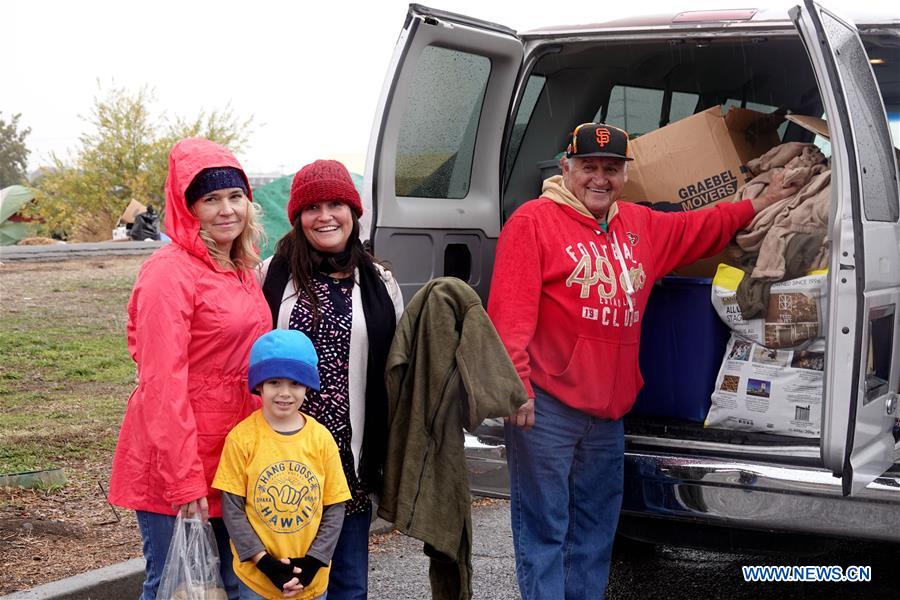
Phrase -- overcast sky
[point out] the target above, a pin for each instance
(308, 72)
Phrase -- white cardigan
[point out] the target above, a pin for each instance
(359, 343)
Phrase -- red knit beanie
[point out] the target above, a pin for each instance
(321, 181)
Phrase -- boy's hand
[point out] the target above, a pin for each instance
(281, 573)
(309, 566)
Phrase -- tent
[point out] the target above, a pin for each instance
(272, 199)
(12, 228)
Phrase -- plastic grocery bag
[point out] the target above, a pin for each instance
(191, 571)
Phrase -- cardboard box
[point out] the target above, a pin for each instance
(133, 209)
(813, 124)
(699, 161)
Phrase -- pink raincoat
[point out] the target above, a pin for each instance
(190, 327)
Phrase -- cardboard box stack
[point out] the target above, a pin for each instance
(698, 162)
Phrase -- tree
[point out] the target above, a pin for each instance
(122, 156)
(13, 152)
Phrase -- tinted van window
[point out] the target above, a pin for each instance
(879, 186)
(437, 135)
(530, 96)
(638, 110)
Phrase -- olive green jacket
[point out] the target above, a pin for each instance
(447, 369)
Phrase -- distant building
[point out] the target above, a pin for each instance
(355, 163)
(258, 180)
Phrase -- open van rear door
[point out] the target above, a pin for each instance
(861, 374)
(433, 166)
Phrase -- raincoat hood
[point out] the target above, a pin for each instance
(187, 158)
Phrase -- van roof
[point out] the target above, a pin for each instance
(686, 20)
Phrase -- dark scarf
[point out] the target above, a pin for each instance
(381, 321)
(328, 263)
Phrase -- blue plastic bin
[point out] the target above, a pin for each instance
(682, 345)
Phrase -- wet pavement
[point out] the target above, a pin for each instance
(668, 572)
(399, 569)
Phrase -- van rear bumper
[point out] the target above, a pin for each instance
(762, 496)
(736, 493)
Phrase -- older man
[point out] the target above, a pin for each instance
(573, 272)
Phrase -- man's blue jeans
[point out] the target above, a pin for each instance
(156, 532)
(349, 577)
(566, 491)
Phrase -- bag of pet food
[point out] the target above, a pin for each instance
(769, 390)
(795, 309)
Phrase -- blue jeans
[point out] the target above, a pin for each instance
(349, 577)
(566, 491)
(245, 593)
(156, 532)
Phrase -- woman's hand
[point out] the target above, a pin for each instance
(198, 507)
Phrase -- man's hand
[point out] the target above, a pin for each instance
(776, 191)
(524, 416)
(198, 508)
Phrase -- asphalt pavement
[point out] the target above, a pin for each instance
(399, 568)
(61, 251)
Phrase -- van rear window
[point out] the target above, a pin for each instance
(639, 110)
(437, 136)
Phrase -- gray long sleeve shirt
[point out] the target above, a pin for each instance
(247, 543)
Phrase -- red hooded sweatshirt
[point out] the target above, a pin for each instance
(190, 327)
(567, 298)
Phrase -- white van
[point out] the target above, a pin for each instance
(471, 110)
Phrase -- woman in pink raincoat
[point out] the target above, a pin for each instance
(195, 310)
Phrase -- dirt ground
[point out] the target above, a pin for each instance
(49, 536)
(46, 535)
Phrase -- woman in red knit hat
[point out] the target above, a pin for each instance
(322, 282)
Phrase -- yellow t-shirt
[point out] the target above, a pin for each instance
(286, 480)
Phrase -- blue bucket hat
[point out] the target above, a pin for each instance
(284, 354)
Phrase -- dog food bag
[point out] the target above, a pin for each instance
(795, 313)
(769, 390)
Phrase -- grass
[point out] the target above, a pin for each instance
(65, 372)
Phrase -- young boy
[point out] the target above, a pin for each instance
(283, 488)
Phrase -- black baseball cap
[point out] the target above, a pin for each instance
(599, 139)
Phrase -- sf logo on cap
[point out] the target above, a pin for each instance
(602, 136)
